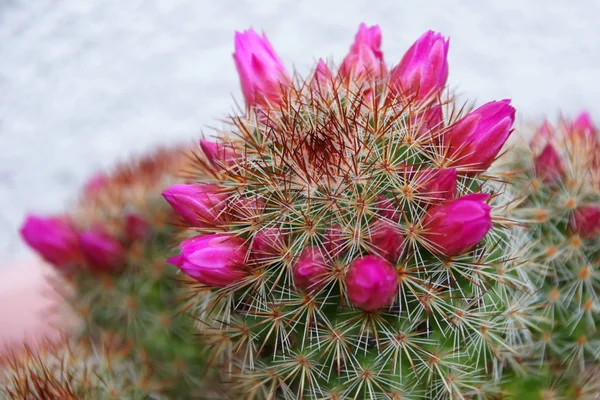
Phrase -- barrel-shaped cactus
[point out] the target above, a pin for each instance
(346, 239)
(556, 177)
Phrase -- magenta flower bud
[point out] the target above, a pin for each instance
(585, 221)
(268, 242)
(136, 228)
(365, 57)
(102, 251)
(436, 185)
(199, 205)
(334, 241)
(429, 122)
(261, 72)
(475, 140)
(583, 126)
(423, 70)
(386, 240)
(322, 77)
(214, 260)
(453, 228)
(542, 135)
(387, 208)
(95, 184)
(218, 154)
(55, 239)
(549, 166)
(246, 208)
(371, 283)
(310, 270)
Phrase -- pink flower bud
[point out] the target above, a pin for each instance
(199, 205)
(436, 185)
(371, 283)
(549, 166)
(334, 241)
(262, 73)
(365, 57)
(423, 70)
(136, 228)
(455, 227)
(585, 221)
(95, 184)
(268, 242)
(583, 126)
(474, 141)
(310, 270)
(102, 251)
(214, 260)
(322, 77)
(428, 123)
(55, 239)
(246, 208)
(542, 135)
(387, 208)
(386, 240)
(218, 154)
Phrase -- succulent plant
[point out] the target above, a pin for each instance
(111, 250)
(557, 179)
(346, 237)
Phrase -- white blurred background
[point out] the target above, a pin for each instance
(84, 83)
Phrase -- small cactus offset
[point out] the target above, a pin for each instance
(72, 370)
(347, 239)
(557, 179)
(111, 249)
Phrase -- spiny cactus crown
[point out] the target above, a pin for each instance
(345, 245)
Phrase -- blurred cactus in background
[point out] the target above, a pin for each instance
(557, 179)
(111, 250)
(349, 242)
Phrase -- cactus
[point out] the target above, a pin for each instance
(345, 237)
(72, 370)
(557, 179)
(111, 251)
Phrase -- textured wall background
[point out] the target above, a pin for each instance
(86, 82)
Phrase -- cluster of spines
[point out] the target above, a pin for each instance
(328, 171)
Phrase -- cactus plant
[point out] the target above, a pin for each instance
(345, 236)
(111, 250)
(557, 179)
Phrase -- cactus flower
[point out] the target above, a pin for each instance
(371, 283)
(453, 228)
(474, 141)
(246, 208)
(386, 240)
(102, 251)
(583, 125)
(549, 166)
(136, 227)
(215, 260)
(436, 185)
(365, 56)
(322, 77)
(199, 205)
(55, 239)
(542, 135)
(261, 72)
(423, 70)
(430, 120)
(334, 241)
(310, 269)
(387, 209)
(269, 242)
(585, 221)
(218, 154)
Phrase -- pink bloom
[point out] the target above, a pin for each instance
(583, 125)
(429, 123)
(387, 208)
(310, 270)
(268, 242)
(455, 227)
(199, 205)
(214, 260)
(334, 241)
(475, 140)
(423, 70)
(549, 166)
(55, 239)
(371, 283)
(586, 221)
(386, 240)
(218, 154)
(262, 73)
(102, 251)
(436, 185)
(136, 227)
(365, 56)
(322, 77)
